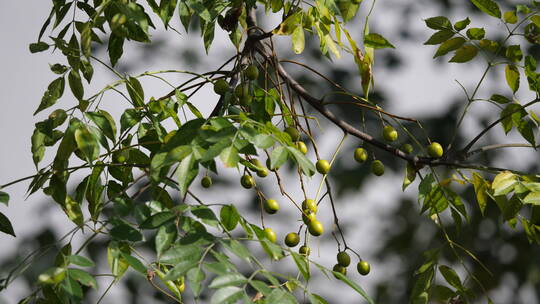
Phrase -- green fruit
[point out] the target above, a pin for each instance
(252, 72)
(356, 1)
(206, 181)
(304, 250)
(293, 133)
(343, 259)
(323, 167)
(360, 155)
(309, 204)
(292, 239)
(340, 269)
(315, 228)
(221, 87)
(271, 206)
(308, 216)
(435, 150)
(377, 167)
(389, 133)
(300, 145)
(407, 148)
(270, 234)
(256, 162)
(246, 100)
(363, 267)
(262, 173)
(241, 90)
(247, 181)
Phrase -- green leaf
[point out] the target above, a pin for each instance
(195, 276)
(514, 53)
(317, 299)
(136, 92)
(449, 45)
(458, 26)
(451, 276)
(510, 17)
(54, 91)
(105, 123)
(178, 253)
(263, 141)
(480, 188)
(354, 286)
(503, 183)
(38, 47)
(298, 40)
(165, 236)
(475, 33)
(278, 157)
(80, 261)
(206, 215)
(347, 8)
(442, 293)
(5, 225)
(87, 143)
(157, 220)
(464, 54)
(134, 263)
(115, 48)
(186, 172)
(75, 84)
(229, 156)
(279, 295)
(305, 164)
(302, 264)
(500, 99)
(4, 198)
(438, 23)
(532, 198)
(126, 232)
(238, 249)
(230, 279)
(227, 295)
(512, 77)
(377, 41)
(489, 7)
(83, 277)
(72, 288)
(229, 217)
(129, 118)
(439, 37)
(536, 20)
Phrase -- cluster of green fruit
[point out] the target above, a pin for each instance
(242, 91)
(344, 260)
(295, 137)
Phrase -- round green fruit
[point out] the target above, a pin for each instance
(309, 204)
(221, 87)
(407, 148)
(363, 267)
(308, 216)
(340, 269)
(252, 72)
(315, 228)
(323, 167)
(206, 181)
(271, 206)
(300, 145)
(377, 167)
(241, 90)
(360, 155)
(256, 162)
(304, 250)
(435, 150)
(389, 133)
(343, 259)
(262, 173)
(293, 133)
(292, 239)
(247, 181)
(270, 234)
